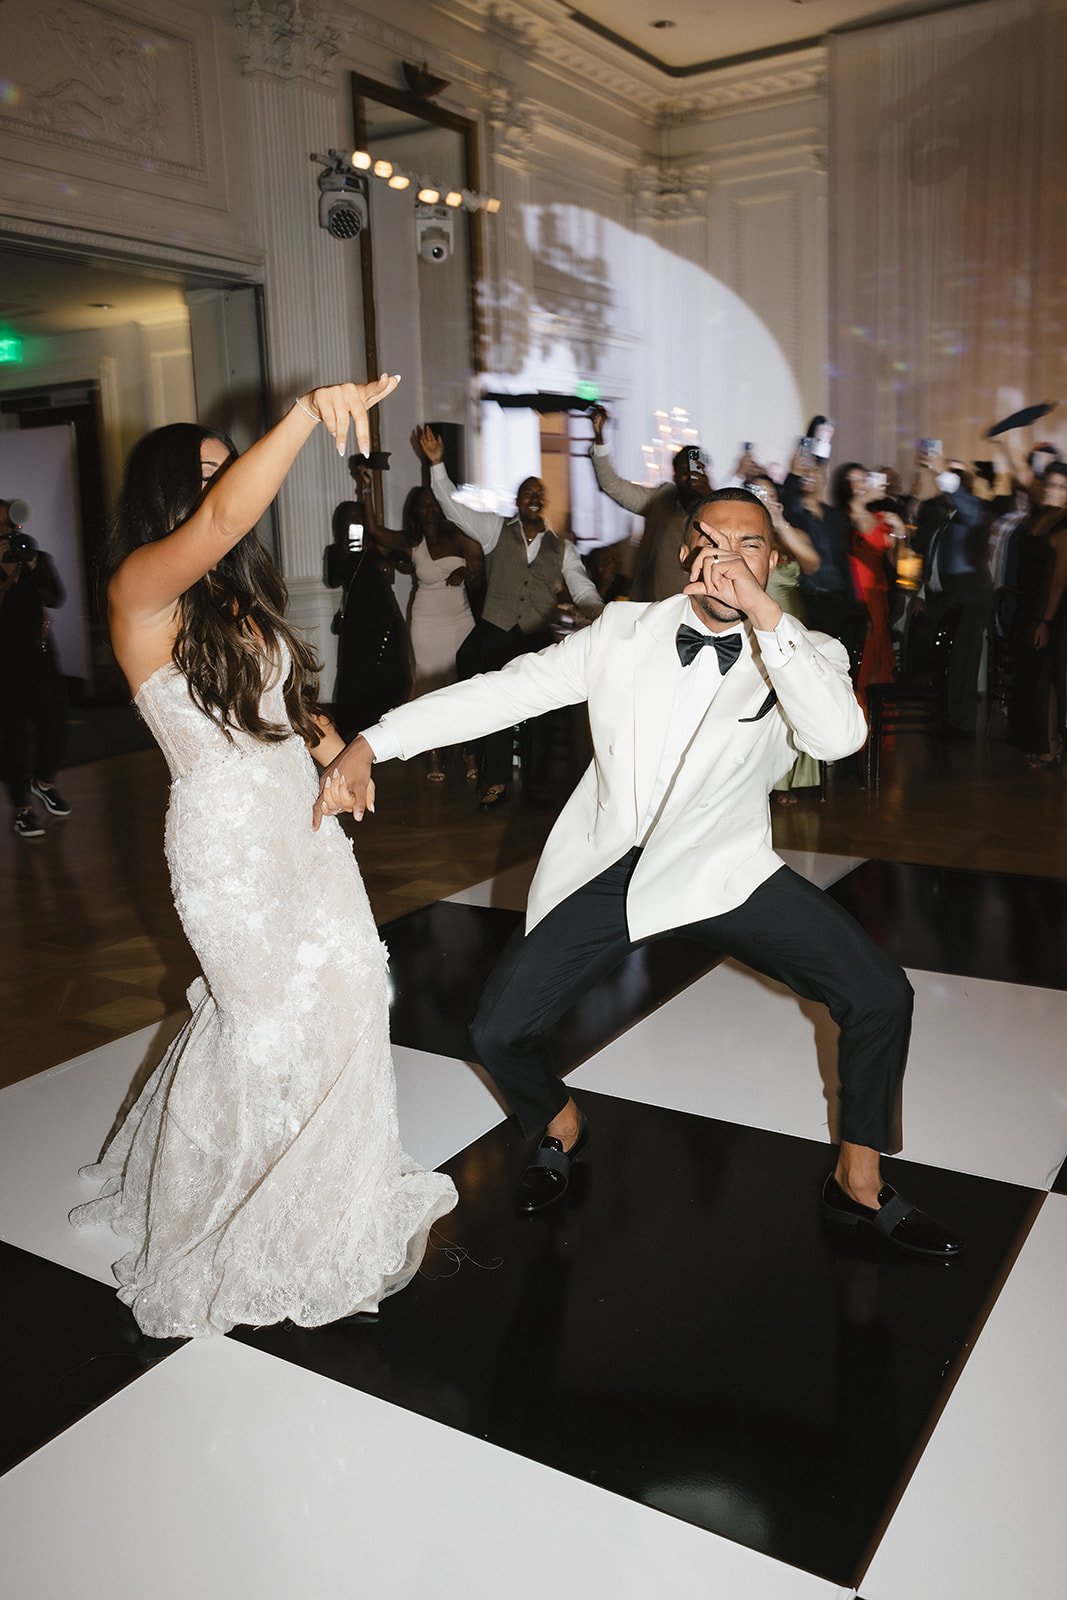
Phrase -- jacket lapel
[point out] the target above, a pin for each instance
(655, 677)
(744, 695)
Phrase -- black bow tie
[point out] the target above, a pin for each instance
(690, 643)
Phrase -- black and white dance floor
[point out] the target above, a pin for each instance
(681, 1385)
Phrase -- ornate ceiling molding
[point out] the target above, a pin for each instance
(564, 47)
(280, 40)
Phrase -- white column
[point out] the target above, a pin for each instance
(312, 303)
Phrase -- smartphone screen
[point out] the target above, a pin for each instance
(355, 537)
(876, 482)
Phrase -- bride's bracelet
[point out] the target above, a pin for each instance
(306, 409)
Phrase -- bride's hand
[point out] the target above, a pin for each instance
(339, 404)
(347, 784)
(334, 795)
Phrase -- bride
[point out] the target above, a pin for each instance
(260, 1175)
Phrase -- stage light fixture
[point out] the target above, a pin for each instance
(399, 180)
(343, 208)
(362, 160)
(428, 195)
(383, 169)
(454, 198)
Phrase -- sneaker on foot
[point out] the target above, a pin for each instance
(28, 824)
(50, 798)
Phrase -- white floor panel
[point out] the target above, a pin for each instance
(985, 1091)
(56, 1122)
(508, 889)
(225, 1473)
(444, 1104)
(821, 870)
(982, 1517)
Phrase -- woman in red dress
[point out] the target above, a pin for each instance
(874, 535)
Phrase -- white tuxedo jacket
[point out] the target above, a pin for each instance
(711, 845)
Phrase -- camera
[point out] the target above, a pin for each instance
(433, 233)
(19, 548)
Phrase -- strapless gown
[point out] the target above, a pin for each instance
(260, 1176)
(440, 619)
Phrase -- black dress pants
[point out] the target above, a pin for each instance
(787, 929)
(487, 648)
(974, 605)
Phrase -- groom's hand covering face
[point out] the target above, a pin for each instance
(730, 557)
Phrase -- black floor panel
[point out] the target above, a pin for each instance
(994, 925)
(441, 956)
(66, 1344)
(687, 1333)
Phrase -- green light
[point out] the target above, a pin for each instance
(10, 350)
(587, 390)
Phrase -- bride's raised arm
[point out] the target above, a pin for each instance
(153, 577)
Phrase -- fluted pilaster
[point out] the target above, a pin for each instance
(312, 312)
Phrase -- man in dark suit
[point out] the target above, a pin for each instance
(952, 536)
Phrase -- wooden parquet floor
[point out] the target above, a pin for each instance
(93, 947)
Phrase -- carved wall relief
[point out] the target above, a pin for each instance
(86, 76)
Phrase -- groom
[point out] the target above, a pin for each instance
(697, 704)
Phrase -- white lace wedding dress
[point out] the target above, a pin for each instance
(260, 1175)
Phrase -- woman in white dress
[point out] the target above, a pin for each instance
(260, 1174)
(448, 564)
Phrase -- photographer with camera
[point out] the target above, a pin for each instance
(32, 692)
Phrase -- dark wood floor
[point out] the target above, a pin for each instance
(93, 947)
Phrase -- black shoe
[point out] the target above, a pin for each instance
(51, 799)
(28, 824)
(493, 796)
(547, 1178)
(902, 1224)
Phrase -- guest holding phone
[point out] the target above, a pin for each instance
(874, 536)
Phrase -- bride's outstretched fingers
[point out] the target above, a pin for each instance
(342, 404)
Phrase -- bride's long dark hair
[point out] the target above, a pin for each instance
(219, 654)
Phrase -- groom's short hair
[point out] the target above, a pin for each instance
(744, 497)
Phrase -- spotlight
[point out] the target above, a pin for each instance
(428, 195)
(454, 198)
(383, 169)
(342, 204)
(399, 180)
(362, 160)
(492, 205)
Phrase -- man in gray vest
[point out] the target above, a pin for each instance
(525, 564)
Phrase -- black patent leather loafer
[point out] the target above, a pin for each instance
(902, 1224)
(547, 1178)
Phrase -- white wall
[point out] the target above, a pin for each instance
(668, 244)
